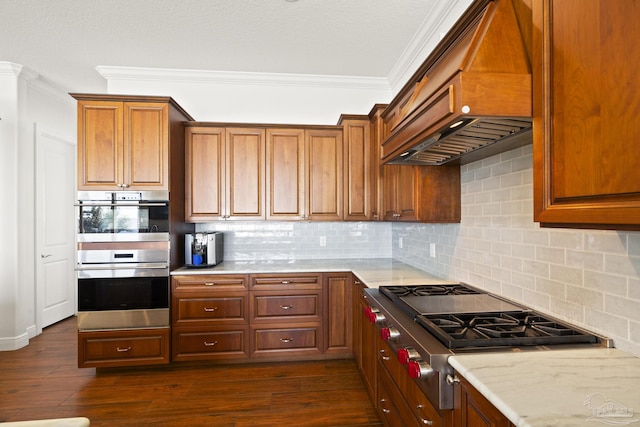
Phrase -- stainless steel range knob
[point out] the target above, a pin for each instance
(373, 314)
(419, 369)
(389, 333)
(406, 354)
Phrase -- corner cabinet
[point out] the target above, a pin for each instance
(472, 409)
(586, 108)
(421, 193)
(124, 141)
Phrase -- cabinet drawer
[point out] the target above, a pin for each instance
(391, 405)
(302, 338)
(223, 309)
(123, 348)
(270, 307)
(231, 342)
(222, 282)
(286, 281)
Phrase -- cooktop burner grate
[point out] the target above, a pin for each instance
(394, 292)
(522, 328)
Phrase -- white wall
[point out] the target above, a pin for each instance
(253, 97)
(9, 141)
(24, 101)
(588, 277)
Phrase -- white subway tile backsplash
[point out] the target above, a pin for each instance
(602, 282)
(276, 240)
(610, 325)
(593, 261)
(621, 264)
(585, 297)
(591, 277)
(568, 275)
(622, 306)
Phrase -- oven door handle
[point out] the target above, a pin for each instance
(87, 267)
(107, 204)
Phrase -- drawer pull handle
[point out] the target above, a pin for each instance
(383, 357)
(210, 344)
(285, 282)
(424, 421)
(286, 340)
(286, 307)
(123, 349)
(210, 309)
(209, 283)
(385, 410)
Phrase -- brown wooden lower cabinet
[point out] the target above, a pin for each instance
(414, 407)
(223, 342)
(239, 318)
(365, 348)
(280, 341)
(472, 409)
(131, 347)
(337, 294)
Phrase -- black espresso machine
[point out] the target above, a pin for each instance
(203, 249)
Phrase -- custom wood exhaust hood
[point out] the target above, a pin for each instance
(471, 98)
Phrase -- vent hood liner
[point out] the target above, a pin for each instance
(472, 92)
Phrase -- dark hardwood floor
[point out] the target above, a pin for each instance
(42, 381)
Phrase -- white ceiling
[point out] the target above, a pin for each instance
(65, 40)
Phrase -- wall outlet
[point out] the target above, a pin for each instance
(323, 240)
(400, 242)
(432, 250)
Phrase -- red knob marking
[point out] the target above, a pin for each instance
(403, 356)
(414, 369)
(385, 333)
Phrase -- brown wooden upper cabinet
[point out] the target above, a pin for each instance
(285, 174)
(586, 109)
(360, 164)
(304, 174)
(123, 141)
(224, 173)
(323, 174)
(421, 193)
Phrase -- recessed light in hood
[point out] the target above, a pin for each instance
(469, 135)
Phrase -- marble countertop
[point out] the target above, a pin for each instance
(556, 388)
(374, 272)
(559, 388)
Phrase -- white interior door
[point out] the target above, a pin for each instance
(55, 231)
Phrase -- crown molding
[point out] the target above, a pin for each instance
(34, 81)
(246, 78)
(434, 26)
(17, 70)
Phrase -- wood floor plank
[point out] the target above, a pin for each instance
(42, 381)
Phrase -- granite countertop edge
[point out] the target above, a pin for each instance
(560, 388)
(374, 272)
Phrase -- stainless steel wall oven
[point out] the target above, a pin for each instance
(123, 260)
